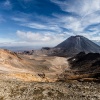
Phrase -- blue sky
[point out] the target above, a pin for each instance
(47, 22)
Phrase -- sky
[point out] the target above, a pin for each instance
(39, 23)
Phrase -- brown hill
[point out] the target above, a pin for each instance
(30, 67)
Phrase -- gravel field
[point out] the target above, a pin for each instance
(18, 90)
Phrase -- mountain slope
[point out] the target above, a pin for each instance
(30, 67)
(76, 44)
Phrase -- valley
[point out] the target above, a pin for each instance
(49, 49)
(50, 73)
(30, 67)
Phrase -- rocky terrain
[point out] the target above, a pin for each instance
(17, 90)
(42, 77)
(31, 67)
(52, 73)
(83, 67)
(86, 63)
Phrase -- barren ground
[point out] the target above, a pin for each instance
(30, 77)
(18, 90)
(30, 67)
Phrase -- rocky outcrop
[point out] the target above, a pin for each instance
(83, 67)
(86, 63)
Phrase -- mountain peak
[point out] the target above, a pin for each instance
(77, 36)
(78, 43)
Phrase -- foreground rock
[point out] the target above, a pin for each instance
(17, 90)
(30, 77)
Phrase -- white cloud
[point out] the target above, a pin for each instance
(19, 19)
(87, 12)
(41, 39)
(29, 36)
(7, 4)
(42, 23)
(42, 26)
(81, 7)
(84, 13)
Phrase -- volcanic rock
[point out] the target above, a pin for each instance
(76, 44)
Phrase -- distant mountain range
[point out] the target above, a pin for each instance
(75, 44)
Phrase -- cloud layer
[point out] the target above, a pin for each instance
(80, 18)
(40, 39)
(86, 13)
(49, 22)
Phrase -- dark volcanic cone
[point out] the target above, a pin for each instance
(76, 44)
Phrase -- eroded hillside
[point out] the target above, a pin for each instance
(30, 67)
